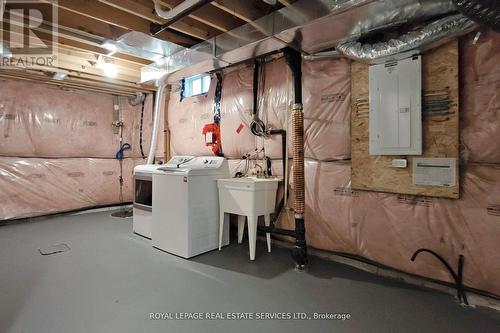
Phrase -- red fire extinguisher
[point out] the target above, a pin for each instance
(212, 137)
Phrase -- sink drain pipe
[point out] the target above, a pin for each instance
(299, 254)
(294, 61)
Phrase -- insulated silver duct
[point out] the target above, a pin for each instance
(436, 32)
(309, 26)
(397, 15)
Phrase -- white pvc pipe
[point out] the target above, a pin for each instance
(2, 8)
(180, 9)
(156, 120)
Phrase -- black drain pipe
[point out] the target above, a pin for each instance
(294, 61)
(281, 132)
(257, 126)
(299, 254)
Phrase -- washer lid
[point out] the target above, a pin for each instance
(146, 168)
(180, 162)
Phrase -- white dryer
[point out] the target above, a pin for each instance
(186, 205)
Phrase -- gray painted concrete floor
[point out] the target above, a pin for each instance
(111, 280)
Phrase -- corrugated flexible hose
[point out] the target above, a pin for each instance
(298, 158)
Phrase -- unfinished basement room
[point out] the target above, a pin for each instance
(249, 166)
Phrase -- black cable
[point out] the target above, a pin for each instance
(217, 98)
(140, 130)
(457, 276)
(257, 127)
(183, 89)
(255, 85)
(217, 107)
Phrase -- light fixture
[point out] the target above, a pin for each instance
(110, 45)
(107, 65)
(4, 50)
(109, 69)
(160, 60)
(59, 76)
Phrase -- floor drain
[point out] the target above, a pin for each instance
(53, 249)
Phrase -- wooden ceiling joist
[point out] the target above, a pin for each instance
(247, 11)
(84, 83)
(94, 10)
(186, 26)
(82, 60)
(85, 25)
(209, 15)
(85, 34)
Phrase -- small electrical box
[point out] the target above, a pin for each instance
(399, 163)
(395, 94)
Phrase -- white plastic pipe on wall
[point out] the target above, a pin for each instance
(159, 103)
(181, 9)
(2, 8)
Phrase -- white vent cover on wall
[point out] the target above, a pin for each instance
(395, 107)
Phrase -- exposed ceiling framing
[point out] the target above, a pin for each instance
(84, 25)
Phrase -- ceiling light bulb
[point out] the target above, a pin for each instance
(109, 69)
(109, 45)
(59, 76)
(107, 65)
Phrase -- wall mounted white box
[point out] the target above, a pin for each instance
(396, 107)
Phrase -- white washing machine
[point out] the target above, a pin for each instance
(186, 205)
(143, 197)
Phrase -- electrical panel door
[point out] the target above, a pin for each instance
(395, 107)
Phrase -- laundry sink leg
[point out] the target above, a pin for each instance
(241, 228)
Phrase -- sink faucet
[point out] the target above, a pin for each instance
(260, 172)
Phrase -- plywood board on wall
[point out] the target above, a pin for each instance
(440, 131)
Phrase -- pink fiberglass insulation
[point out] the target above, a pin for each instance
(326, 92)
(186, 120)
(480, 84)
(236, 113)
(275, 105)
(131, 117)
(330, 205)
(34, 186)
(479, 226)
(38, 120)
(388, 228)
(395, 226)
(327, 109)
